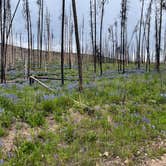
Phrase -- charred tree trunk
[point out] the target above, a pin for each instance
(62, 42)
(101, 35)
(95, 36)
(78, 45)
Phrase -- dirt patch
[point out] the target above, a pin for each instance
(23, 130)
(162, 160)
(76, 116)
(18, 129)
(157, 162)
(51, 123)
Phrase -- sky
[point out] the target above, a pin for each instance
(112, 12)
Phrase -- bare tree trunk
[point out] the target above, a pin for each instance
(92, 34)
(38, 31)
(123, 33)
(41, 32)
(139, 39)
(70, 38)
(165, 46)
(62, 41)
(95, 35)
(3, 41)
(78, 45)
(159, 37)
(101, 35)
(148, 23)
(28, 27)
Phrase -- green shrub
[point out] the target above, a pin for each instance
(2, 131)
(48, 106)
(36, 119)
(69, 134)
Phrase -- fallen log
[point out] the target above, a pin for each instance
(32, 79)
(51, 78)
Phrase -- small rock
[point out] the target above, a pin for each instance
(117, 157)
(106, 106)
(106, 154)
(138, 152)
(100, 155)
(126, 161)
(153, 160)
(97, 164)
(97, 108)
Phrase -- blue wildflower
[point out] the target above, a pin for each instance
(11, 97)
(71, 86)
(146, 120)
(49, 97)
(1, 161)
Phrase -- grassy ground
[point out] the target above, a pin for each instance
(118, 119)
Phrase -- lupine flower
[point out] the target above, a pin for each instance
(136, 115)
(12, 72)
(71, 86)
(1, 161)
(49, 97)
(4, 86)
(10, 155)
(11, 97)
(56, 156)
(92, 85)
(146, 120)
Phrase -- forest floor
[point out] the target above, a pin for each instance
(119, 119)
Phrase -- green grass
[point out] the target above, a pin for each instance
(123, 116)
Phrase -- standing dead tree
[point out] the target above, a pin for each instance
(82, 35)
(62, 42)
(140, 36)
(92, 33)
(48, 34)
(102, 5)
(78, 45)
(40, 28)
(70, 38)
(159, 6)
(6, 21)
(26, 13)
(123, 34)
(95, 35)
(165, 46)
(147, 30)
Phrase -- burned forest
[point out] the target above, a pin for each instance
(83, 83)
